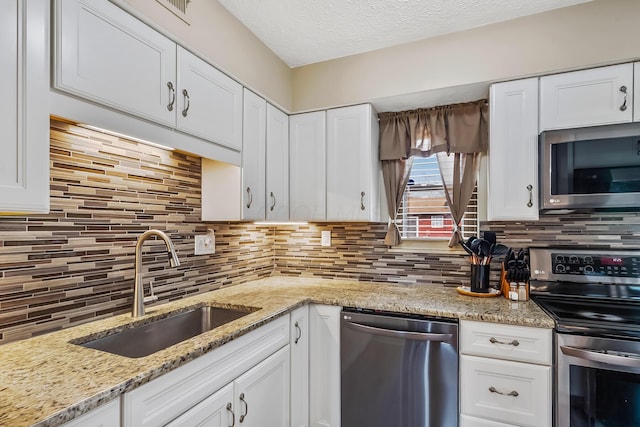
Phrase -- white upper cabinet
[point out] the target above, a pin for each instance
(24, 106)
(253, 156)
(209, 103)
(513, 145)
(597, 96)
(104, 54)
(353, 168)
(307, 166)
(277, 173)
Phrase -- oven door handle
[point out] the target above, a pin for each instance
(631, 361)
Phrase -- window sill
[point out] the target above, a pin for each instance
(440, 247)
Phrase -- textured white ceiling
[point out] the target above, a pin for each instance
(303, 32)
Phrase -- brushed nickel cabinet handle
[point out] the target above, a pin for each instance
(187, 100)
(530, 188)
(514, 343)
(623, 89)
(172, 96)
(273, 201)
(299, 333)
(250, 196)
(513, 393)
(243, 416)
(233, 415)
(362, 201)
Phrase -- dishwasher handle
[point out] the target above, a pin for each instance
(418, 336)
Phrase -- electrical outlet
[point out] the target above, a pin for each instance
(205, 244)
(326, 238)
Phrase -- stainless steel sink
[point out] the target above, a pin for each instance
(159, 334)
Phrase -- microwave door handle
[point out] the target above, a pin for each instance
(417, 336)
(630, 361)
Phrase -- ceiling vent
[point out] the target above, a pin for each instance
(177, 7)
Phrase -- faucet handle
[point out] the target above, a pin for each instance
(152, 296)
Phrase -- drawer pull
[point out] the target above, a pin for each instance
(623, 107)
(513, 393)
(299, 333)
(246, 406)
(233, 415)
(514, 343)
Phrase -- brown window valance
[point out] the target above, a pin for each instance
(457, 128)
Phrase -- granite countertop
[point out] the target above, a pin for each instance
(46, 380)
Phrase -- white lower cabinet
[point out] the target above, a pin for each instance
(324, 366)
(259, 397)
(261, 394)
(300, 367)
(105, 416)
(215, 411)
(500, 390)
(505, 375)
(245, 362)
(467, 421)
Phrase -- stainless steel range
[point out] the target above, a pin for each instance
(594, 297)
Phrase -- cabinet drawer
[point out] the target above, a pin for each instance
(504, 391)
(518, 343)
(167, 397)
(467, 421)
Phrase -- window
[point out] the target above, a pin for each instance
(424, 214)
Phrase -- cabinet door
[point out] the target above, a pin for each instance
(300, 367)
(277, 165)
(513, 151)
(504, 391)
(253, 156)
(324, 366)
(24, 107)
(352, 164)
(597, 96)
(215, 411)
(105, 416)
(106, 55)
(209, 103)
(262, 393)
(307, 161)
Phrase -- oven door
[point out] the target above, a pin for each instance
(597, 382)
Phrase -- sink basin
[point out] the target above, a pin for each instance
(159, 334)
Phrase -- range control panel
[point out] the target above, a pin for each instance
(599, 265)
(584, 265)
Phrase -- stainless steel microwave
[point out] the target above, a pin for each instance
(590, 168)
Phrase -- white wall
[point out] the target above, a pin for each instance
(594, 33)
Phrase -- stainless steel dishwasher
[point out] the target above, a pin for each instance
(398, 371)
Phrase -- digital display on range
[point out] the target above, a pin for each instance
(611, 261)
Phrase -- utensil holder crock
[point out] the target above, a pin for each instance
(480, 278)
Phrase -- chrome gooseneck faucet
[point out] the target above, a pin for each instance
(138, 290)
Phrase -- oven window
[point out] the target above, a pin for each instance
(603, 398)
(596, 166)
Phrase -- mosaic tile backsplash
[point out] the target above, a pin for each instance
(75, 264)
